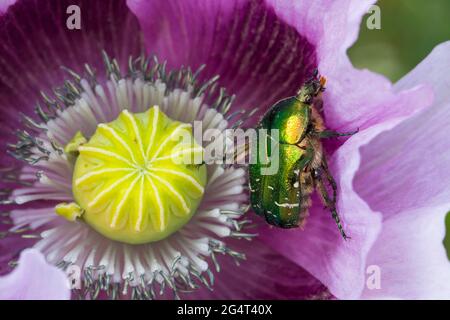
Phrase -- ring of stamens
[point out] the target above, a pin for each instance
(180, 262)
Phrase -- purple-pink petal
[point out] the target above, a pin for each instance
(263, 50)
(264, 274)
(405, 175)
(258, 57)
(411, 256)
(34, 279)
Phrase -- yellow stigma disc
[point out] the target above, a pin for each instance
(139, 178)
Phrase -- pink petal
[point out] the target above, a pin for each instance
(410, 256)
(405, 174)
(34, 279)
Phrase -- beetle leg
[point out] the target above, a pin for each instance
(332, 134)
(332, 207)
(330, 202)
(330, 179)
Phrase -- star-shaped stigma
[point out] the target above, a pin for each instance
(135, 181)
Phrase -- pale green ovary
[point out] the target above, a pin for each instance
(126, 183)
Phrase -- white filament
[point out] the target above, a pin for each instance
(76, 242)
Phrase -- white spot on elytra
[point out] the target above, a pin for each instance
(287, 205)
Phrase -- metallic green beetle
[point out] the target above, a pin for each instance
(284, 198)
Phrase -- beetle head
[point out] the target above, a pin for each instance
(312, 88)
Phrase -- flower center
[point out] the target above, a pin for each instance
(119, 172)
(134, 181)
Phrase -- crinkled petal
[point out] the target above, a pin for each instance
(416, 154)
(34, 279)
(405, 174)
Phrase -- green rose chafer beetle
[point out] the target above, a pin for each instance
(283, 198)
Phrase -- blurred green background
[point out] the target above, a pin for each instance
(410, 29)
